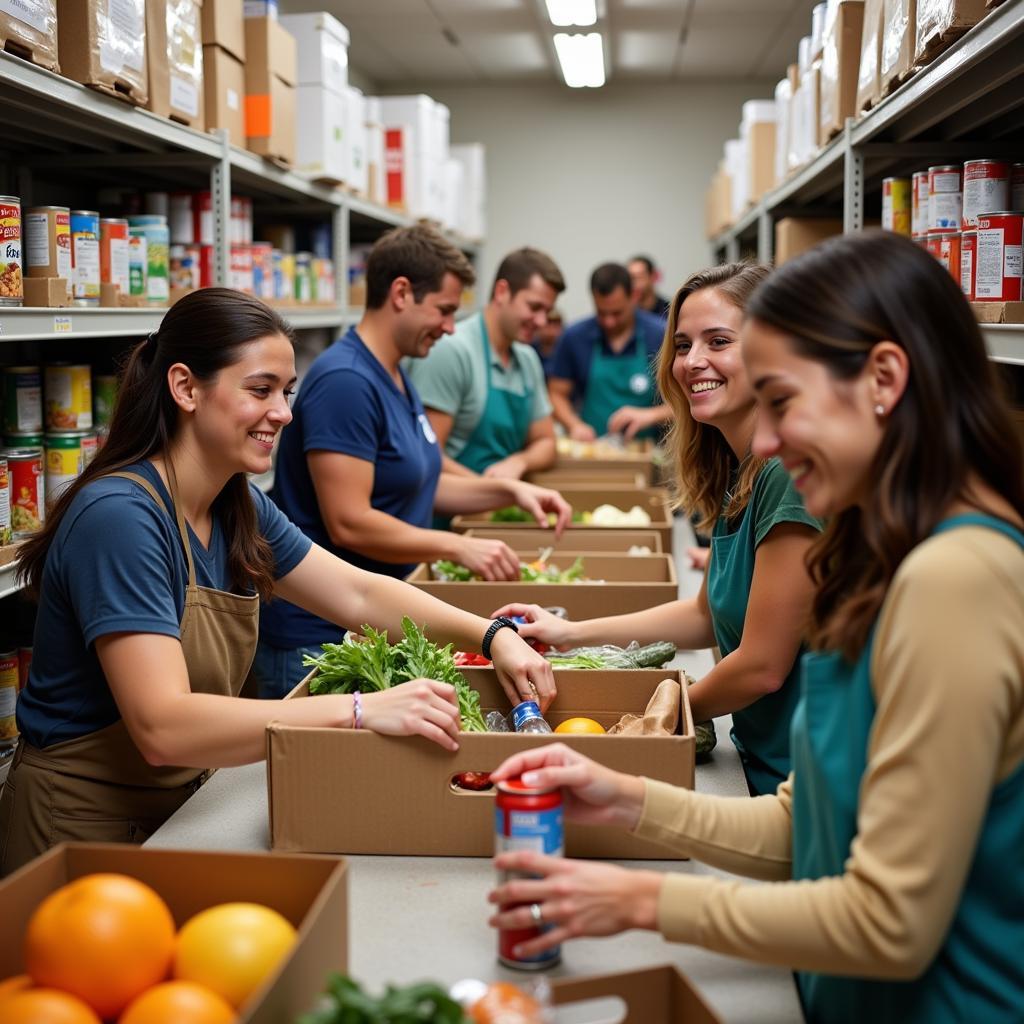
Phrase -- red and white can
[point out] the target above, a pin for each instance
(919, 203)
(237, 232)
(968, 262)
(921, 240)
(241, 268)
(945, 197)
(949, 253)
(114, 262)
(1017, 188)
(986, 188)
(206, 266)
(202, 218)
(998, 276)
(933, 244)
(28, 489)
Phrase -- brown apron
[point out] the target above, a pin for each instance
(98, 787)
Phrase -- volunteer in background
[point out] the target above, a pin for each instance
(483, 386)
(602, 381)
(148, 571)
(545, 341)
(645, 275)
(756, 594)
(359, 470)
(895, 847)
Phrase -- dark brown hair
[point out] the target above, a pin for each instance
(835, 303)
(705, 465)
(418, 253)
(205, 331)
(519, 267)
(608, 278)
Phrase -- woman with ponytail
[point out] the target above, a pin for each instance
(149, 573)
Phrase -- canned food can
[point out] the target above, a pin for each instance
(202, 218)
(85, 257)
(277, 276)
(25, 472)
(5, 502)
(104, 395)
(68, 394)
(527, 818)
(179, 221)
(22, 400)
(24, 663)
(90, 446)
(986, 188)
(8, 694)
(154, 229)
(945, 197)
(64, 462)
(48, 243)
(1017, 188)
(303, 277)
(114, 260)
(968, 262)
(921, 240)
(34, 440)
(934, 245)
(919, 203)
(12, 290)
(241, 268)
(949, 253)
(896, 205)
(263, 270)
(246, 220)
(206, 266)
(237, 230)
(998, 276)
(288, 284)
(138, 263)
(184, 267)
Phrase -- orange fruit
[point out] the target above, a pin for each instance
(232, 948)
(15, 983)
(580, 727)
(46, 1006)
(178, 1002)
(104, 938)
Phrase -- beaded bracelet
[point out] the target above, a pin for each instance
(357, 709)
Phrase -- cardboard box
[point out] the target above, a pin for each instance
(223, 26)
(8, 553)
(29, 31)
(573, 542)
(940, 22)
(655, 995)
(311, 892)
(869, 90)
(174, 57)
(653, 500)
(641, 461)
(989, 312)
(581, 475)
(224, 93)
(899, 30)
(102, 52)
(354, 791)
(631, 583)
(47, 291)
(840, 65)
(270, 102)
(794, 235)
(269, 50)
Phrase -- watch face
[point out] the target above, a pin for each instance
(639, 383)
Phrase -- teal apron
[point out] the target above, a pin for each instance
(978, 974)
(504, 425)
(615, 381)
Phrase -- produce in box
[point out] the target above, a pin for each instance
(537, 571)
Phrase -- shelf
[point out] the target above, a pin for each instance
(307, 319)
(1005, 343)
(40, 324)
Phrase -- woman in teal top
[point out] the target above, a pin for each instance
(756, 593)
(896, 847)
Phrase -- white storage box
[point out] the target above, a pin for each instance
(355, 139)
(320, 128)
(376, 189)
(473, 208)
(322, 49)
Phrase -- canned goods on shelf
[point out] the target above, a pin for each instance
(241, 268)
(896, 205)
(154, 229)
(998, 274)
(25, 473)
(22, 396)
(5, 502)
(8, 694)
(945, 197)
(85, 257)
(949, 253)
(184, 267)
(138, 265)
(986, 187)
(68, 394)
(263, 270)
(104, 395)
(284, 287)
(179, 220)
(48, 243)
(12, 289)
(202, 218)
(303, 277)
(1017, 188)
(919, 203)
(33, 440)
(114, 258)
(65, 460)
(968, 262)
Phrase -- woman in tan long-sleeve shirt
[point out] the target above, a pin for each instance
(896, 847)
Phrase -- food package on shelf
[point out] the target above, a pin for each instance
(322, 46)
(28, 29)
(794, 235)
(939, 22)
(224, 93)
(868, 82)
(174, 58)
(270, 74)
(840, 63)
(757, 130)
(224, 26)
(899, 27)
(102, 44)
(783, 121)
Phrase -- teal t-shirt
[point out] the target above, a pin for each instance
(760, 731)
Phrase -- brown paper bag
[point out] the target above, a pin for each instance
(659, 719)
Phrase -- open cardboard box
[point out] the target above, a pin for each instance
(641, 461)
(353, 791)
(582, 475)
(311, 892)
(620, 584)
(579, 541)
(653, 500)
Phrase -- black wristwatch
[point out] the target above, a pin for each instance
(501, 622)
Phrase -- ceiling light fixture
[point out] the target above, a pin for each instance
(581, 57)
(564, 13)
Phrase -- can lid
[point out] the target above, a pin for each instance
(520, 788)
(1002, 213)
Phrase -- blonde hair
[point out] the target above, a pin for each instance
(703, 462)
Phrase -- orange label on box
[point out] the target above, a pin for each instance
(258, 116)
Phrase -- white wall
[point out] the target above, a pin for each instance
(591, 176)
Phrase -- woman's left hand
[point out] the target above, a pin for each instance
(539, 501)
(576, 898)
(522, 672)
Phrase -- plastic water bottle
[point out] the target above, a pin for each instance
(526, 717)
(496, 722)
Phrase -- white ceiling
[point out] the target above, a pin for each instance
(509, 40)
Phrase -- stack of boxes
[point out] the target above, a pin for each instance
(174, 57)
(416, 146)
(224, 68)
(270, 75)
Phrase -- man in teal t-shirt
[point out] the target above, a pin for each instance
(483, 387)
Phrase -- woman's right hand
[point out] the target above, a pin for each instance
(492, 560)
(423, 707)
(592, 794)
(541, 625)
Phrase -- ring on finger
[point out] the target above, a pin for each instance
(537, 914)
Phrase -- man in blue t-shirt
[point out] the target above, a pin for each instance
(603, 377)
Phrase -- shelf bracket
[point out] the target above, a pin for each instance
(853, 182)
(220, 203)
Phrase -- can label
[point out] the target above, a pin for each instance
(48, 243)
(22, 400)
(137, 264)
(12, 290)
(25, 471)
(919, 204)
(184, 267)
(85, 258)
(998, 275)
(63, 463)
(114, 260)
(968, 263)
(986, 189)
(68, 397)
(8, 694)
(896, 205)
(1017, 188)
(945, 200)
(241, 268)
(24, 663)
(104, 394)
(5, 503)
(949, 254)
(202, 218)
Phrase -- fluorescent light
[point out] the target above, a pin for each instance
(582, 59)
(572, 12)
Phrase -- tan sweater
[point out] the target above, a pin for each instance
(948, 680)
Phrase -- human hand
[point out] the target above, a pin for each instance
(582, 432)
(540, 625)
(576, 898)
(423, 707)
(629, 421)
(591, 793)
(539, 501)
(490, 559)
(522, 672)
(511, 468)
(698, 557)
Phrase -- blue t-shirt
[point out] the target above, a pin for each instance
(349, 404)
(116, 565)
(575, 350)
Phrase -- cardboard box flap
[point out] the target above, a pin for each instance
(572, 541)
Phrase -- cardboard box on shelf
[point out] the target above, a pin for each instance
(46, 291)
(29, 31)
(899, 31)
(868, 81)
(270, 49)
(223, 25)
(997, 312)
(270, 73)
(757, 132)
(580, 541)
(794, 235)
(941, 22)
(310, 891)
(840, 65)
(356, 140)
(628, 583)
(322, 48)
(328, 791)
(224, 93)
(174, 58)
(104, 47)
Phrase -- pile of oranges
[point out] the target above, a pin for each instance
(104, 948)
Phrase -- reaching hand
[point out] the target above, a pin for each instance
(539, 501)
(540, 625)
(629, 421)
(489, 559)
(511, 468)
(522, 672)
(582, 432)
(423, 707)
